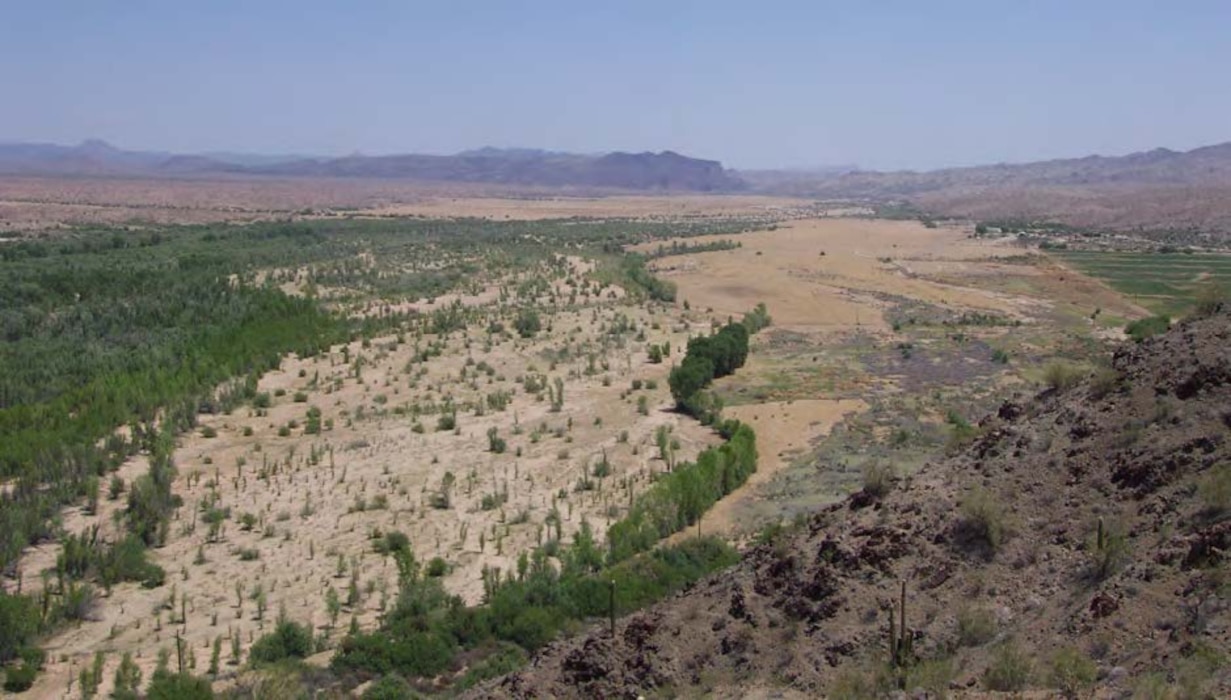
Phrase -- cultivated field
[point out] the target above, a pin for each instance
(1165, 283)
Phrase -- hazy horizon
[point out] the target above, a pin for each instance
(781, 85)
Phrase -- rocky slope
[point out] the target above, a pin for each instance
(1007, 582)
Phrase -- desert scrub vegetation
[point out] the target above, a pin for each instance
(1059, 375)
(976, 626)
(1009, 670)
(982, 521)
(878, 478)
(1144, 328)
(1214, 490)
(1072, 672)
(428, 629)
(116, 342)
(680, 497)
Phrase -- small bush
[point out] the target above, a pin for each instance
(209, 431)
(933, 676)
(877, 478)
(437, 567)
(288, 640)
(1211, 298)
(975, 626)
(1215, 490)
(983, 519)
(1072, 673)
(18, 679)
(1059, 375)
(446, 421)
(390, 687)
(1143, 328)
(300, 397)
(1104, 382)
(1009, 670)
(178, 686)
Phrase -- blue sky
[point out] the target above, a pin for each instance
(880, 83)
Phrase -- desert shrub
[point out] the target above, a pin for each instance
(300, 397)
(78, 602)
(390, 687)
(976, 626)
(1104, 382)
(504, 659)
(411, 652)
(495, 443)
(877, 478)
(1153, 686)
(961, 432)
(437, 567)
(1072, 672)
(1215, 490)
(446, 421)
(209, 431)
(288, 640)
(932, 676)
(1059, 375)
(1009, 669)
(1144, 328)
(1211, 298)
(178, 686)
(1000, 356)
(983, 519)
(868, 680)
(527, 323)
(18, 679)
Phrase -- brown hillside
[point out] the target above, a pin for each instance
(1141, 446)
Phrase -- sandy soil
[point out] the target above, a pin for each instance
(833, 273)
(784, 430)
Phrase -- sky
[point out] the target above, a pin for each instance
(883, 84)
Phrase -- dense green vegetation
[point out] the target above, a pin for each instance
(707, 358)
(678, 248)
(1169, 284)
(427, 631)
(680, 497)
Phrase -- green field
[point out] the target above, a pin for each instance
(1165, 283)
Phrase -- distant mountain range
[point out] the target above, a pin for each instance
(1201, 166)
(665, 171)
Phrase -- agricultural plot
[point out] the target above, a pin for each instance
(1165, 283)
